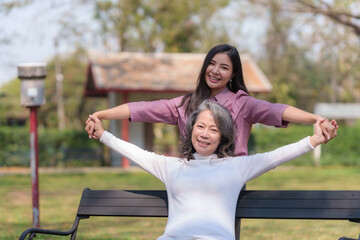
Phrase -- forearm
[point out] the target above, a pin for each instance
(316, 140)
(295, 115)
(118, 112)
(149, 161)
(263, 162)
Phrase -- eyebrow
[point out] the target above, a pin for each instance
(223, 64)
(212, 125)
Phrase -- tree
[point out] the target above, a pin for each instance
(310, 52)
(150, 25)
(339, 11)
(76, 107)
(134, 25)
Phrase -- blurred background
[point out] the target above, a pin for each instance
(307, 49)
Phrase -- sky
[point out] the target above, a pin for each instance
(32, 31)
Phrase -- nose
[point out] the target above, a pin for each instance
(215, 70)
(204, 134)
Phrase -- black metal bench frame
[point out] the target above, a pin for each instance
(330, 205)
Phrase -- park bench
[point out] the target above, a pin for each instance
(336, 205)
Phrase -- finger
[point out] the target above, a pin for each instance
(334, 123)
(326, 135)
(89, 128)
(320, 121)
(94, 118)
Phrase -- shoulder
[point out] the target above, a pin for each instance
(241, 93)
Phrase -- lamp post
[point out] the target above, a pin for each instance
(32, 76)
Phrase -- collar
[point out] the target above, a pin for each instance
(223, 96)
(201, 157)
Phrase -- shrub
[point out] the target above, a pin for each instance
(343, 150)
(56, 148)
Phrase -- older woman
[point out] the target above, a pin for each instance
(203, 184)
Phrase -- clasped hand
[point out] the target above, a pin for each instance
(96, 128)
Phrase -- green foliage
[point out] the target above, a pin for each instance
(73, 148)
(343, 150)
(56, 148)
(312, 63)
(166, 138)
(146, 25)
(76, 107)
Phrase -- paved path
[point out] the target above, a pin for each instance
(49, 170)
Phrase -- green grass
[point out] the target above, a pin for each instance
(60, 194)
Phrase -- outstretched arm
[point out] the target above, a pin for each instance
(119, 112)
(329, 129)
(259, 164)
(150, 162)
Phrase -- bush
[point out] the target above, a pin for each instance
(56, 148)
(73, 148)
(343, 150)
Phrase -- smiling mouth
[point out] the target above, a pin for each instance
(202, 143)
(213, 79)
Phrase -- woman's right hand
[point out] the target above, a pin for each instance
(98, 127)
(90, 127)
(318, 137)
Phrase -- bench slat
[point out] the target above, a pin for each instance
(328, 205)
(302, 203)
(124, 211)
(283, 213)
(252, 204)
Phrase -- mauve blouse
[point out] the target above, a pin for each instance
(245, 111)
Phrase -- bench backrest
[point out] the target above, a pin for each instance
(343, 205)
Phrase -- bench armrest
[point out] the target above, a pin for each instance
(346, 238)
(33, 231)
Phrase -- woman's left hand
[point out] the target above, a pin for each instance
(329, 129)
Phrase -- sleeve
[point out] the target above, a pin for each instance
(153, 163)
(260, 111)
(261, 163)
(160, 111)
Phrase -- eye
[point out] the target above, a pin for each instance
(214, 130)
(200, 126)
(225, 67)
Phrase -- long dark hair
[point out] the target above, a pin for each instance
(224, 123)
(202, 91)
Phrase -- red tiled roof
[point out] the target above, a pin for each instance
(157, 72)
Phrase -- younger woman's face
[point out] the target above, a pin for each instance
(218, 73)
(205, 136)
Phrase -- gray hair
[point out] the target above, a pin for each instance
(224, 123)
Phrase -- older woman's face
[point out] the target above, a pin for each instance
(205, 136)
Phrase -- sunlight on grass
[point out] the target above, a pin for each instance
(60, 195)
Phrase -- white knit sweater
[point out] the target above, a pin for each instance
(203, 193)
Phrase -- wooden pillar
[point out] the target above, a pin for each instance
(125, 131)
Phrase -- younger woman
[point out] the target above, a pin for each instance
(221, 80)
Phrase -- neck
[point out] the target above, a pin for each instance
(199, 156)
(214, 92)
